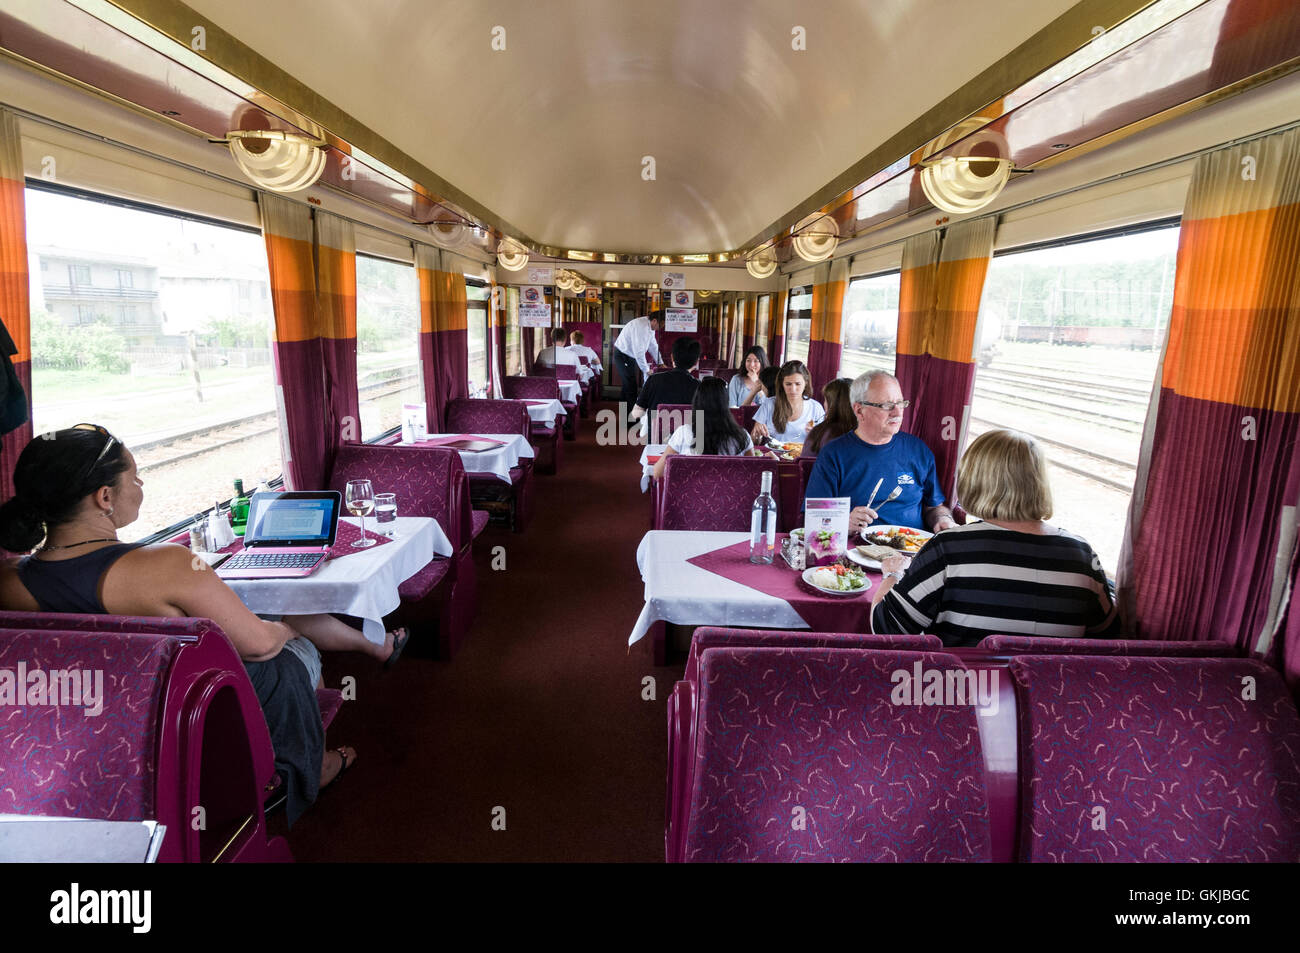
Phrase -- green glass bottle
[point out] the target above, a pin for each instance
(239, 509)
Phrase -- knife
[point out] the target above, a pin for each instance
(874, 491)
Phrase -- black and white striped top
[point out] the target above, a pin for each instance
(980, 579)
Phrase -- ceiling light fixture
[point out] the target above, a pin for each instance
(449, 226)
(816, 237)
(967, 181)
(278, 161)
(761, 262)
(511, 255)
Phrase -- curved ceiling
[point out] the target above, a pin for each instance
(551, 132)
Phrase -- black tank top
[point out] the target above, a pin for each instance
(71, 585)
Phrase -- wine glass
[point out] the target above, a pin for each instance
(361, 502)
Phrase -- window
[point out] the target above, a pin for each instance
(798, 325)
(388, 343)
(124, 279)
(1070, 336)
(870, 327)
(514, 340)
(477, 294)
(192, 430)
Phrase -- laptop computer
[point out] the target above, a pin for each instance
(288, 535)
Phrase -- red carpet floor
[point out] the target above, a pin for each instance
(541, 713)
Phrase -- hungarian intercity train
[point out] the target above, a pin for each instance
(636, 433)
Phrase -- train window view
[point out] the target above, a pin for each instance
(1069, 341)
(157, 327)
(679, 433)
(388, 354)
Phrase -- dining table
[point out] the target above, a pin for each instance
(353, 581)
(695, 578)
(570, 391)
(545, 410)
(505, 452)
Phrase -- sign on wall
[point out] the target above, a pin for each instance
(682, 299)
(681, 319)
(672, 280)
(535, 315)
(541, 274)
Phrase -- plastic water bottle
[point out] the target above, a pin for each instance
(762, 525)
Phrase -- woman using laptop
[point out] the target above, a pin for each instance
(74, 489)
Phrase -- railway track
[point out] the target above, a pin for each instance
(199, 440)
(1106, 470)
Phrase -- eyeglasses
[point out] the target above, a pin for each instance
(888, 406)
(108, 445)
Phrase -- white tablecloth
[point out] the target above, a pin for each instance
(497, 461)
(545, 412)
(678, 592)
(648, 468)
(570, 391)
(363, 583)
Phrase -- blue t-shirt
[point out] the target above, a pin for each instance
(849, 466)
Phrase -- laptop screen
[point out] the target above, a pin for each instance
(293, 519)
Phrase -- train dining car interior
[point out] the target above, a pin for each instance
(710, 432)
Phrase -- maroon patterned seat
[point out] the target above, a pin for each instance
(800, 755)
(180, 727)
(497, 416)
(713, 637)
(1157, 759)
(726, 373)
(564, 372)
(428, 481)
(711, 493)
(745, 416)
(667, 418)
(1042, 645)
(545, 438)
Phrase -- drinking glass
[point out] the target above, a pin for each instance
(360, 498)
(386, 512)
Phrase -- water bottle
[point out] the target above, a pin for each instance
(762, 525)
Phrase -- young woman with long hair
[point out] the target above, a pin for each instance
(840, 418)
(790, 414)
(720, 434)
(747, 388)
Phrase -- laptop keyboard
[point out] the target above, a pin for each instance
(248, 560)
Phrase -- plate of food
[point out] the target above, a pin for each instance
(887, 540)
(837, 580)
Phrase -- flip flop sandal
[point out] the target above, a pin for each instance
(342, 771)
(398, 645)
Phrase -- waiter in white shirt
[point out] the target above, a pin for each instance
(637, 337)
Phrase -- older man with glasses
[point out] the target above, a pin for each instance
(877, 451)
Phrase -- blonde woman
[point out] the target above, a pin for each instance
(1013, 573)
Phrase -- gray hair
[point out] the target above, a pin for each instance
(862, 383)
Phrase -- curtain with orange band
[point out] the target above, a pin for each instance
(444, 331)
(830, 280)
(938, 316)
(15, 309)
(776, 324)
(299, 382)
(749, 322)
(1221, 436)
(336, 306)
(497, 318)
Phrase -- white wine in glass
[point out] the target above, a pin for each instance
(360, 499)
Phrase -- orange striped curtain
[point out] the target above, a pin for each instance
(1220, 447)
(830, 281)
(15, 311)
(497, 317)
(749, 323)
(444, 331)
(336, 304)
(938, 316)
(299, 356)
(776, 324)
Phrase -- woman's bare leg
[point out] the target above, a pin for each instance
(333, 635)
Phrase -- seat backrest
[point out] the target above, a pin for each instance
(1042, 645)
(712, 493)
(745, 416)
(667, 418)
(531, 388)
(428, 481)
(801, 754)
(713, 637)
(726, 373)
(94, 753)
(565, 372)
(487, 416)
(1157, 759)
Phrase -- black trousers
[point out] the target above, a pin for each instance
(629, 371)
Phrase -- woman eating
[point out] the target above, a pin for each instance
(1012, 573)
(840, 418)
(721, 434)
(74, 489)
(789, 415)
(748, 388)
